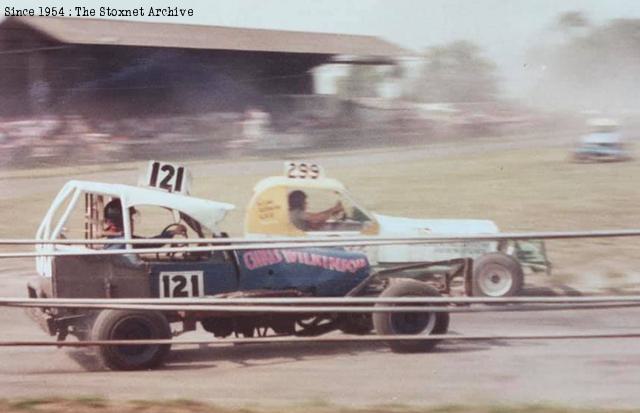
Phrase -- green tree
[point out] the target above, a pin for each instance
(456, 72)
(360, 81)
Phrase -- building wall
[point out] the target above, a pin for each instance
(39, 75)
(23, 55)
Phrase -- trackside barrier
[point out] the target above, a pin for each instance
(231, 244)
(330, 339)
(61, 302)
(248, 305)
(317, 304)
(301, 240)
(296, 309)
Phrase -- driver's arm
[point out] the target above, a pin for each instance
(315, 219)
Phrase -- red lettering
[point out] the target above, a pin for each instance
(261, 258)
(289, 256)
(248, 261)
(269, 257)
(316, 260)
(351, 266)
(344, 264)
(325, 262)
(307, 258)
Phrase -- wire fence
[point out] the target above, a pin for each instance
(353, 240)
(351, 305)
(248, 306)
(324, 339)
(240, 244)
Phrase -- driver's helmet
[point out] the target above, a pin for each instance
(113, 212)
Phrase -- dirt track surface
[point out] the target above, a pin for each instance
(590, 373)
(12, 186)
(578, 373)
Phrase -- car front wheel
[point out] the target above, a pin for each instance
(131, 325)
(497, 275)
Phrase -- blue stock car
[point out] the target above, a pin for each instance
(271, 272)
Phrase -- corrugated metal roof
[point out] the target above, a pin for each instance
(135, 33)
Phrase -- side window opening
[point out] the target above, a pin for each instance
(150, 220)
(84, 220)
(193, 224)
(354, 217)
(58, 214)
(319, 200)
(93, 223)
(354, 211)
(77, 224)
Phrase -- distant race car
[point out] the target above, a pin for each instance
(602, 144)
(498, 267)
(77, 213)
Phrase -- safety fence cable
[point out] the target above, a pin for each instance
(159, 303)
(426, 238)
(323, 339)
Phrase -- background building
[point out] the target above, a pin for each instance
(112, 67)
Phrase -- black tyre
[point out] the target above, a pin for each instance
(497, 275)
(356, 324)
(131, 325)
(410, 323)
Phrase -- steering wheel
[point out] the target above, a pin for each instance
(340, 215)
(172, 245)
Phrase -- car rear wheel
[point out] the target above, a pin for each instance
(357, 324)
(422, 323)
(131, 325)
(497, 275)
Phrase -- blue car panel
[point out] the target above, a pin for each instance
(193, 279)
(324, 272)
(328, 272)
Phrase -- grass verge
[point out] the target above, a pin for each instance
(98, 405)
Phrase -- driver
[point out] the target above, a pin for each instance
(114, 226)
(307, 221)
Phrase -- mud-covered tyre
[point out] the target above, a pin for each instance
(497, 275)
(410, 323)
(131, 325)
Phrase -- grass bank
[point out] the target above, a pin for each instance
(98, 405)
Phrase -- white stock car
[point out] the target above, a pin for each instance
(498, 267)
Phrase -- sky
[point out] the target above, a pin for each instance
(505, 29)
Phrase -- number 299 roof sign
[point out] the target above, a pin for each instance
(277, 181)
